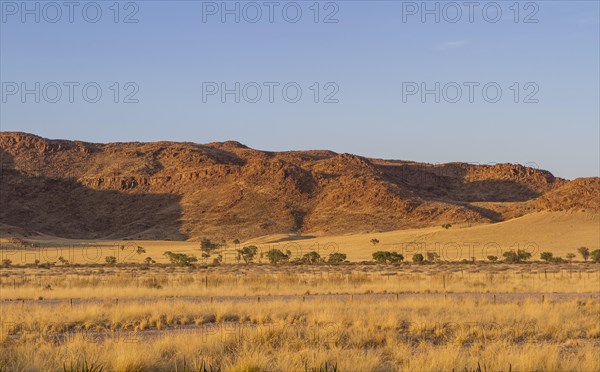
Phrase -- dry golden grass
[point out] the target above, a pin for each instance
(154, 326)
(128, 282)
(406, 334)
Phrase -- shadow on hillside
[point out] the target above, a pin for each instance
(292, 238)
(427, 182)
(65, 208)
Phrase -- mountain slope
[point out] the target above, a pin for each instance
(168, 190)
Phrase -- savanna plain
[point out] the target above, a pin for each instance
(269, 308)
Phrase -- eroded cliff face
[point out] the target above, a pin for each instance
(167, 190)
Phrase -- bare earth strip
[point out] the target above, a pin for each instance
(487, 297)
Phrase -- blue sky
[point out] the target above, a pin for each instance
(368, 57)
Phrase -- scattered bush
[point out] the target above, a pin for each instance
(396, 257)
(381, 256)
(447, 226)
(584, 252)
(208, 246)
(180, 258)
(247, 253)
(516, 257)
(492, 258)
(387, 257)
(374, 241)
(311, 258)
(140, 250)
(276, 256)
(547, 256)
(336, 258)
(111, 260)
(418, 258)
(595, 255)
(6, 262)
(432, 256)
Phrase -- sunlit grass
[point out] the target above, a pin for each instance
(223, 318)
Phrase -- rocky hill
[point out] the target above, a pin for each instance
(169, 190)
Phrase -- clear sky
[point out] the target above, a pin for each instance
(370, 56)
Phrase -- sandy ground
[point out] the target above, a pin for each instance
(484, 297)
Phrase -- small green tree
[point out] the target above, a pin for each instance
(387, 257)
(595, 255)
(276, 256)
(207, 246)
(248, 253)
(523, 255)
(418, 258)
(63, 261)
(446, 226)
(492, 258)
(374, 241)
(381, 256)
(432, 256)
(140, 250)
(111, 260)
(547, 256)
(180, 258)
(6, 262)
(236, 241)
(336, 258)
(584, 252)
(570, 257)
(149, 260)
(516, 257)
(311, 258)
(396, 257)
